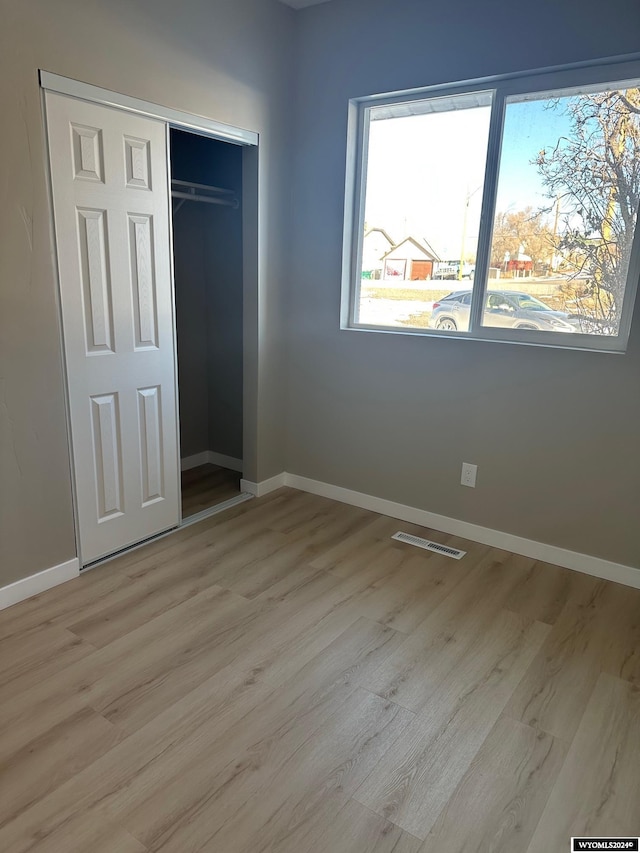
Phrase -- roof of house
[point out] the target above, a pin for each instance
(421, 244)
(430, 249)
(381, 231)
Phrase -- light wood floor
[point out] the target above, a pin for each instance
(285, 678)
(207, 486)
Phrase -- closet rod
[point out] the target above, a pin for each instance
(201, 187)
(206, 199)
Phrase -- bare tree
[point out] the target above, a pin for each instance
(522, 229)
(595, 173)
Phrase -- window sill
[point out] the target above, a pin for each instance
(548, 340)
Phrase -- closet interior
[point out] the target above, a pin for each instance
(206, 189)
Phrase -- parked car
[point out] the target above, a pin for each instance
(508, 309)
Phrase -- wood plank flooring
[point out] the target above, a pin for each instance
(207, 486)
(285, 678)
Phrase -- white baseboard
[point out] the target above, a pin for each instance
(194, 461)
(585, 563)
(266, 486)
(596, 566)
(223, 461)
(210, 457)
(34, 584)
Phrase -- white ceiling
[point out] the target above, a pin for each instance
(301, 4)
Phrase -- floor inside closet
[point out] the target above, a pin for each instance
(285, 677)
(206, 486)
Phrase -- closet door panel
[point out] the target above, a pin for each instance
(138, 162)
(88, 157)
(143, 280)
(107, 455)
(96, 280)
(111, 210)
(150, 419)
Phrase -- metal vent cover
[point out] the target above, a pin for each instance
(436, 547)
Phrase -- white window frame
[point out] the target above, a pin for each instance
(502, 87)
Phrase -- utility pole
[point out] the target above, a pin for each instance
(464, 237)
(468, 198)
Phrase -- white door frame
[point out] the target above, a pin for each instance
(179, 120)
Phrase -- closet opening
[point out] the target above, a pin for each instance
(206, 190)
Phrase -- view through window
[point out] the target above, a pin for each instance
(566, 191)
(425, 174)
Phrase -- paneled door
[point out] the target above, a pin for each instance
(111, 212)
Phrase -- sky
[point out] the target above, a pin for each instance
(529, 127)
(422, 170)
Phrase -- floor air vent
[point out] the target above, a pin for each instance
(456, 553)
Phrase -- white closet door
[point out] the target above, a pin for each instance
(111, 210)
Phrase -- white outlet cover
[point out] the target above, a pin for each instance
(469, 474)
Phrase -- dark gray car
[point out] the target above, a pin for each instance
(508, 309)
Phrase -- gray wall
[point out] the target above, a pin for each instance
(208, 278)
(227, 59)
(224, 269)
(555, 434)
(192, 325)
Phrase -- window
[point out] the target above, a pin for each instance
(503, 212)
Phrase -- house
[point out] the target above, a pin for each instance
(520, 266)
(375, 245)
(411, 260)
(282, 674)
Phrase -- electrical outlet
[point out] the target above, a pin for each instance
(469, 474)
